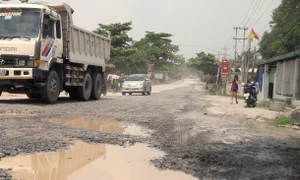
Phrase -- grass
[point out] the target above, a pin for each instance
(282, 121)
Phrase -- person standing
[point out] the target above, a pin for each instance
(256, 87)
(234, 88)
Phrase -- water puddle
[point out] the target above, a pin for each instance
(106, 126)
(16, 115)
(92, 162)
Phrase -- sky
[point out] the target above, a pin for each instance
(196, 25)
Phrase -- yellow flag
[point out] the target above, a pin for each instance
(253, 35)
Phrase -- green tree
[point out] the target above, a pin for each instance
(129, 56)
(285, 34)
(206, 63)
(121, 45)
(159, 49)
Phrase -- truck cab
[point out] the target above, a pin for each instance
(28, 35)
(36, 39)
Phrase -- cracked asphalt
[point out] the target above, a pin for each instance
(196, 141)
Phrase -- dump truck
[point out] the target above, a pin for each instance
(42, 53)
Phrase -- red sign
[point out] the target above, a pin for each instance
(225, 68)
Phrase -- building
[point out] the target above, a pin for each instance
(280, 77)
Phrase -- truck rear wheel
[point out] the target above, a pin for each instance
(51, 91)
(84, 92)
(97, 86)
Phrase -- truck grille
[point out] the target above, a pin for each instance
(11, 60)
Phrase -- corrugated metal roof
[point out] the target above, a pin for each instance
(287, 56)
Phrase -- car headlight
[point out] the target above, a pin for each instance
(30, 63)
(142, 84)
(22, 62)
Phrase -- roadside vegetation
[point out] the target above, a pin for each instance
(282, 121)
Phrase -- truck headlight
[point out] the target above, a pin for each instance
(30, 63)
(22, 62)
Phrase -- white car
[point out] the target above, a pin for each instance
(137, 83)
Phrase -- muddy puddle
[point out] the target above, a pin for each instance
(91, 162)
(106, 126)
(16, 115)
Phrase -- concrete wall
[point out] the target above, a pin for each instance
(285, 80)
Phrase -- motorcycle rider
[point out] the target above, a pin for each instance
(256, 86)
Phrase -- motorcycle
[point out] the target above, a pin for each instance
(250, 94)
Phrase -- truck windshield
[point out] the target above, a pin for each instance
(19, 24)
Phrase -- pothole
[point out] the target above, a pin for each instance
(92, 162)
(106, 126)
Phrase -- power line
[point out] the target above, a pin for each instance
(253, 12)
(232, 41)
(264, 12)
(261, 7)
(256, 6)
(230, 38)
(279, 22)
(276, 23)
(264, 28)
(247, 13)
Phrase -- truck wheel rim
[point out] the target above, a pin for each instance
(53, 86)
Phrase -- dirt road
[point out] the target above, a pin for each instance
(176, 133)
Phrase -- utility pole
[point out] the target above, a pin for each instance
(249, 58)
(236, 39)
(235, 48)
(254, 60)
(243, 61)
(244, 41)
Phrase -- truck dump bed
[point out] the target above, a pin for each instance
(81, 46)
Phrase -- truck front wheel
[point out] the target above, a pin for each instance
(51, 91)
(97, 86)
(85, 91)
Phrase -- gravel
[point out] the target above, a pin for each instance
(195, 141)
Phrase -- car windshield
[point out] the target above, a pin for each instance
(19, 24)
(135, 78)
